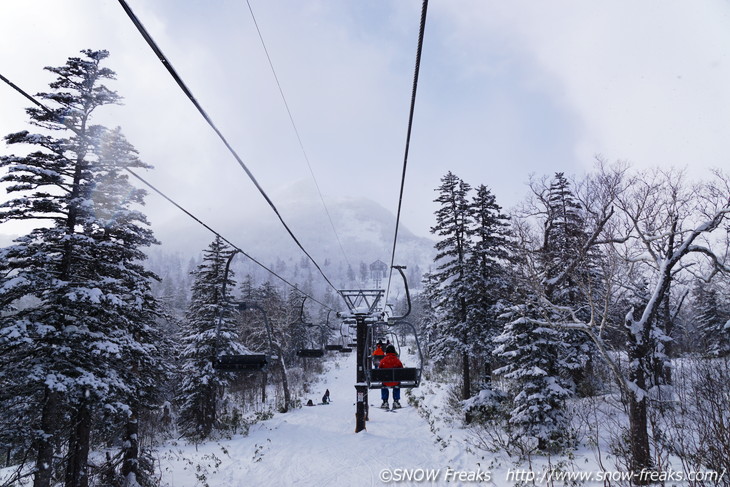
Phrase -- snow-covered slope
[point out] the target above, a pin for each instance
(317, 446)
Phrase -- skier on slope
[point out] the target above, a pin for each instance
(390, 361)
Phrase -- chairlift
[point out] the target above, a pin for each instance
(238, 362)
(408, 377)
(311, 351)
(391, 338)
(347, 343)
(241, 362)
(331, 347)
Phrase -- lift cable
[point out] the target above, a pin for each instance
(48, 110)
(296, 131)
(294, 286)
(190, 96)
(408, 140)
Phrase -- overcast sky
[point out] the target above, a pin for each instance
(507, 89)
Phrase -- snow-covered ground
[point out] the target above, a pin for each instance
(317, 446)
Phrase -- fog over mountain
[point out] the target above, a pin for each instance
(365, 229)
(364, 226)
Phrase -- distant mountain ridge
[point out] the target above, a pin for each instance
(365, 229)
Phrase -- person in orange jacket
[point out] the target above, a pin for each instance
(378, 354)
(390, 361)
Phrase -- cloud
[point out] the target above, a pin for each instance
(506, 89)
(646, 80)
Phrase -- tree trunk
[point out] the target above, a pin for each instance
(466, 386)
(466, 375)
(130, 462)
(209, 412)
(48, 427)
(284, 382)
(77, 468)
(264, 380)
(640, 453)
(666, 370)
(639, 355)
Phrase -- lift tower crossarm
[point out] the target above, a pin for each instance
(363, 301)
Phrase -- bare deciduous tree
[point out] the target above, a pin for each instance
(650, 227)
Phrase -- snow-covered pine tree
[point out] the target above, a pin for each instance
(429, 317)
(487, 275)
(85, 333)
(209, 330)
(131, 312)
(451, 334)
(425, 313)
(540, 357)
(712, 319)
(565, 234)
(531, 350)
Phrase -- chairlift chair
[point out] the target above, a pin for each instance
(331, 347)
(408, 377)
(238, 362)
(241, 362)
(347, 343)
(311, 351)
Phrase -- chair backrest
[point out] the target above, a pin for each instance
(407, 374)
(310, 353)
(240, 362)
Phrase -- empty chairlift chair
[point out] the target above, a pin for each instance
(332, 347)
(241, 362)
(311, 350)
(250, 362)
(347, 343)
